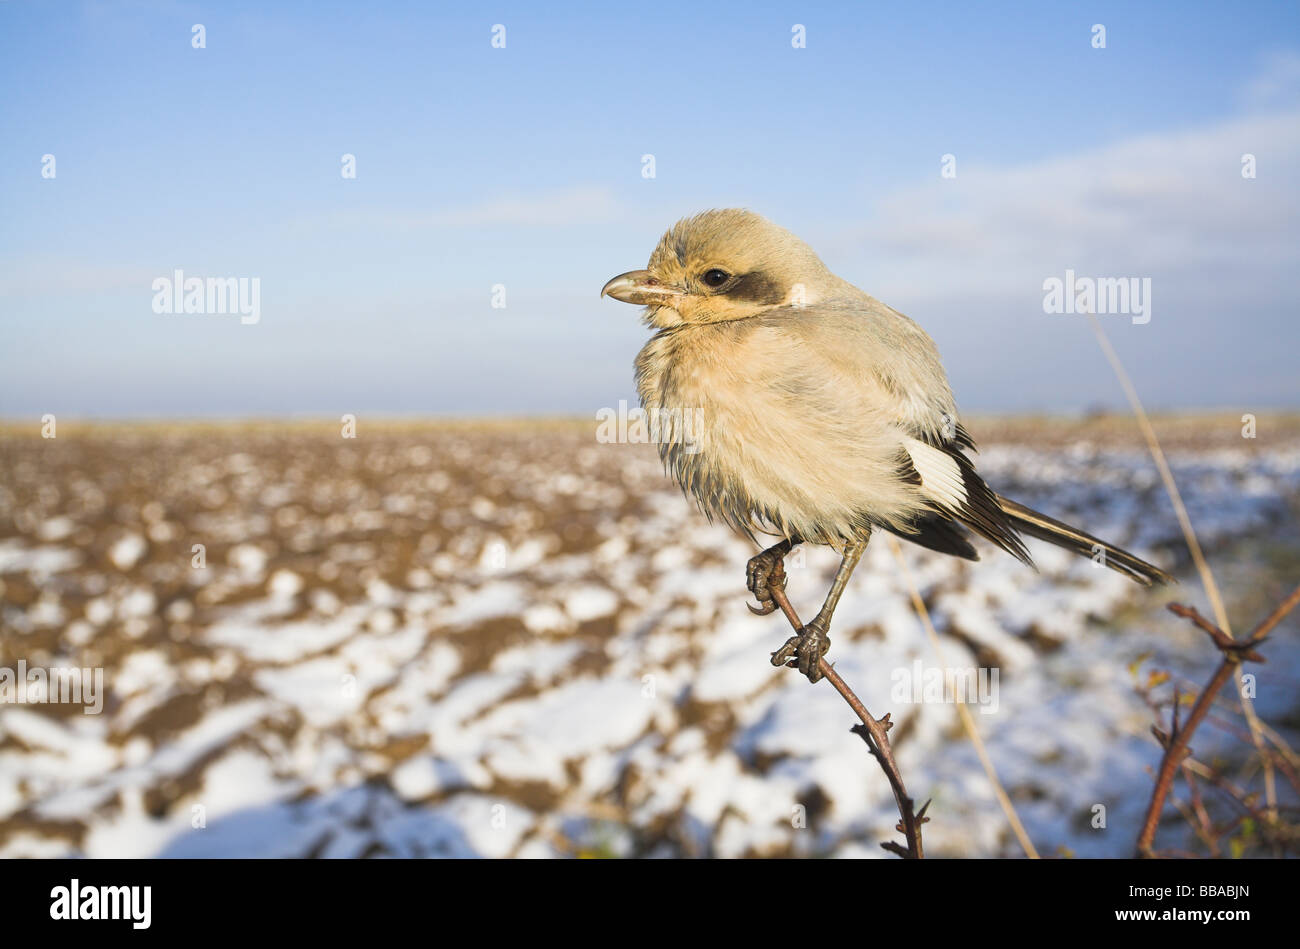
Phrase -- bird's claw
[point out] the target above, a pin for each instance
(765, 577)
(804, 652)
(763, 574)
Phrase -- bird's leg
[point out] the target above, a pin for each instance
(805, 651)
(760, 579)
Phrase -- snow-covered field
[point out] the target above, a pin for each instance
(512, 640)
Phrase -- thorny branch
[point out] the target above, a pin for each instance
(874, 731)
(1176, 742)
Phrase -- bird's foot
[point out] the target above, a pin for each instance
(805, 651)
(763, 574)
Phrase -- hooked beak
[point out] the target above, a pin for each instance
(640, 287)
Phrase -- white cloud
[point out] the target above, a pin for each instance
(1165, 204)
(967, 258)
(546, 209)
(46, 276)
(1277, 83)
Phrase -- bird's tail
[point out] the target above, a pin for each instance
(1029, 521)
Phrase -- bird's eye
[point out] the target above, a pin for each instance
(715, 277)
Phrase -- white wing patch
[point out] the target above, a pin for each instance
(941, 479)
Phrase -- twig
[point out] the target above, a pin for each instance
(873, 731)
(1205, 826)
(1267, 624)
(1176, 743)
(963, 713)
(1193, 545)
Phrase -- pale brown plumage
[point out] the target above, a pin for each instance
(825, 412)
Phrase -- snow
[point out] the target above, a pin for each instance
(363, 679)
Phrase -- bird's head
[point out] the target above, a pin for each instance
(723, 265)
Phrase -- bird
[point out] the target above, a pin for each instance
(826, 414)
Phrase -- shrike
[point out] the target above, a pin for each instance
(826, 414)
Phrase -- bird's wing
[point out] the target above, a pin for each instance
(879, 348)
(875, 345)
(948, 480)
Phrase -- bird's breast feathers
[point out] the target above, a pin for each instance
(794, 438)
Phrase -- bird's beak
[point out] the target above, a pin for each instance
(642, 288)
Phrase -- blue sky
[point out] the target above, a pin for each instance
(522, 167)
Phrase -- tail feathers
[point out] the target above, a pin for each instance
(936, 532)
(1031, 522)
